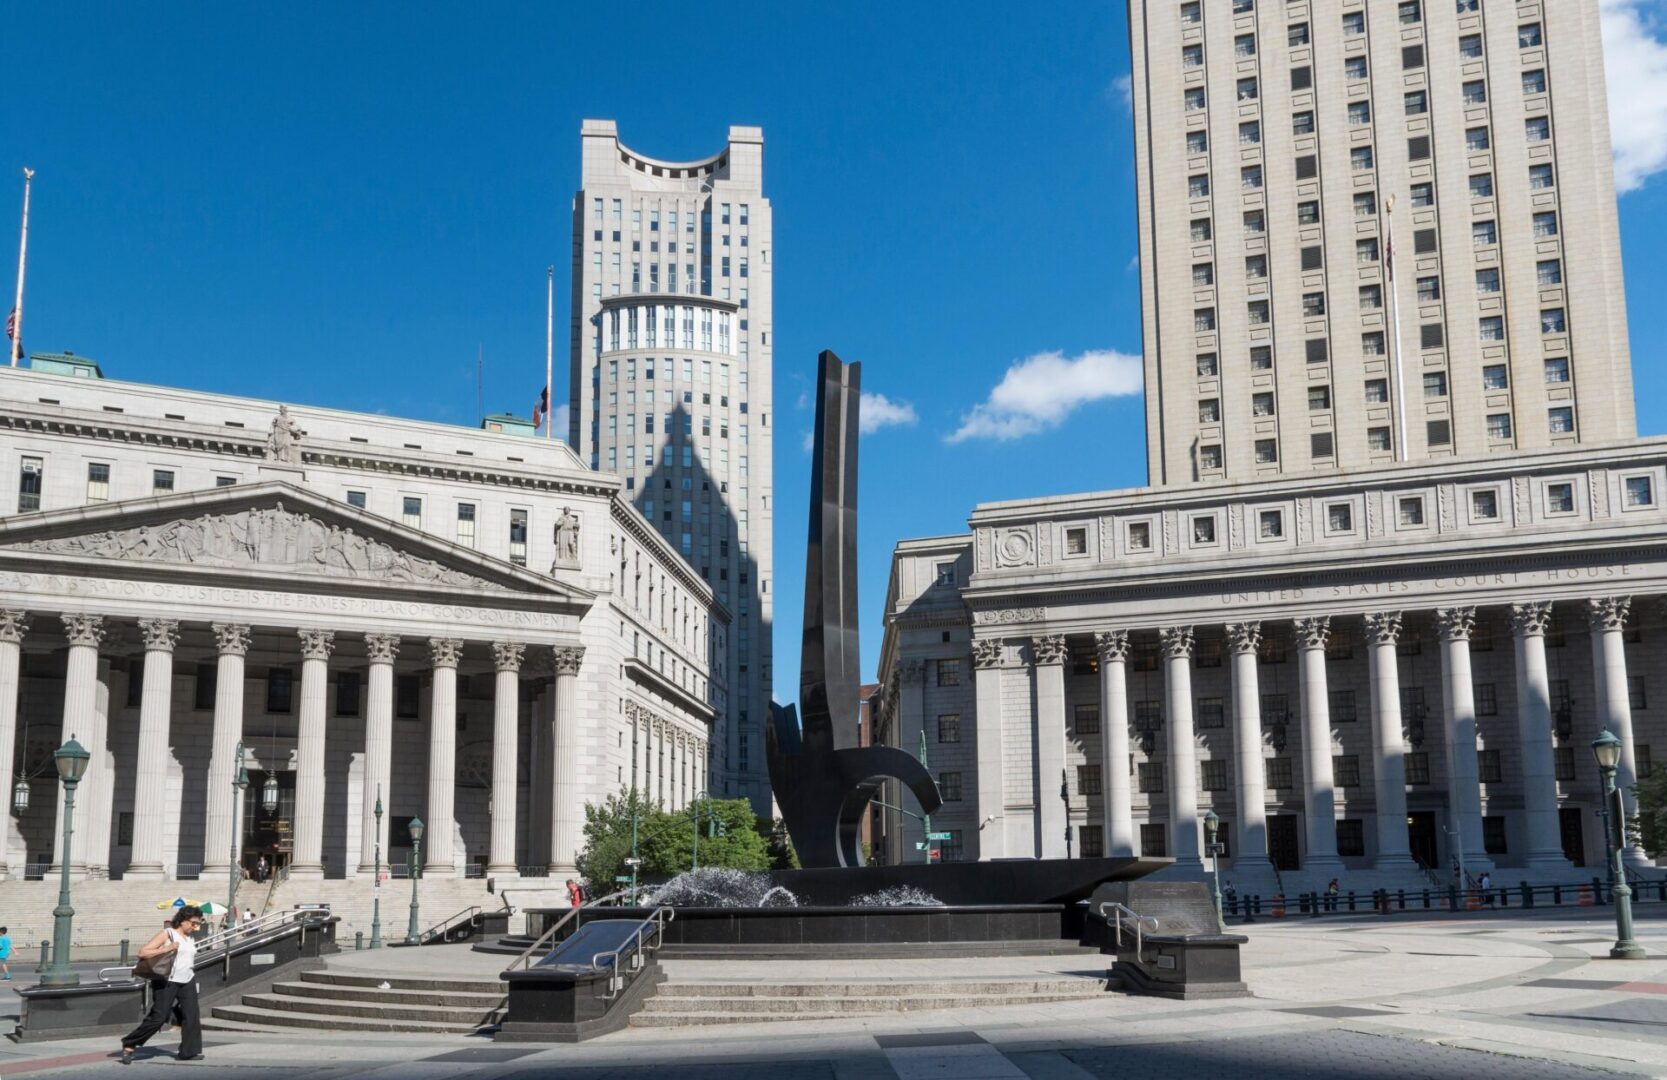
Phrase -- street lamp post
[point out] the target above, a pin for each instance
(694, 855)
(376, 889)
(71, 760)
(1212, 848)
(413, 936)
(240, 782)
(1607, 749)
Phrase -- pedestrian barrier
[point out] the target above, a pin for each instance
(1586, 896)
(1278, 906)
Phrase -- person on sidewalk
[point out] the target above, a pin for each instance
(176, 991)
(575, 895)
(1331, 891)
(5, 954)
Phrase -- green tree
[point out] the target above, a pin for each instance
(665, 839)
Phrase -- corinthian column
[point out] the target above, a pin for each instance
(1389, 765)
(1243, 640)
(150, 786)
(81, 721)
(1464, 786)
(992, 817)
(232, 642)
(1113, 647)
(380, 650)
(308, 863)
(1539, 765)
(1183, 753)
(1052, 812)
(442, 758)
(565, 812)
(1319, 789)
(1608, 616)
(13, 625)
(506, 712)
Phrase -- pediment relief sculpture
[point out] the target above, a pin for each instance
(270, 538)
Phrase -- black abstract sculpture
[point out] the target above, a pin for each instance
(823, 780)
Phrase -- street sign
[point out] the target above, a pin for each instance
(934, 854)
(633, 861)
(622, 879)
(938, 836)
(920, 845)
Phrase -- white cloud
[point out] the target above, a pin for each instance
(1040, 391)
(1635, 58)
(558, 421)
(879, 411)
(1122, 88)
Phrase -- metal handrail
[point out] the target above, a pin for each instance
(223, 940)
(1118, 911)
(279, 876)
(444, 924)
(524, 960)
(616, 982)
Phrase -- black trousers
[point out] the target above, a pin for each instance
(168, 998)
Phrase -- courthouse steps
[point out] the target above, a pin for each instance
(703, 1003)
(108, 911)
(340, 1001)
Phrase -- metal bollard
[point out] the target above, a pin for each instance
(1452, 898)
(1401, 895)
(46, 954)
(1251, 904)
(358, 939)
(1527, 895)
(1313, 905)
(1557, 895)
(1351, 899)
(123, 959)
(1426, 899)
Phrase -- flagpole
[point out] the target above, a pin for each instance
(549, 350)
(22, 258)
(1395, 319)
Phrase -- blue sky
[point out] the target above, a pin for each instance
(338, 209)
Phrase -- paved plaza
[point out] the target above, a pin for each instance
(1347, 998)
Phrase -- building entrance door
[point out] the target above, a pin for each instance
(267, 832)
(1421, 838)
(1282, 841)
(1573, 827)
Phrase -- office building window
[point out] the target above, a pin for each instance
(1484, 505)
(411, 512)
(1262, 404)
(1371, 297)
(1561, 420)
(1302, 123)
(1417, 102)
(1340, 518)
(1484, 233)
(1261, 358)
(1549, 272)
(1528, 36)
(1154, 841)
(1487, 281)
(1499, 425)
(1279, 773)
(1476, 139)
(1212, 712)
(98, 482)
(1533, 82)
(1435, 384)
(949, 786)
(466, 524)
(1346, 770)
(1470, 47)
(1640, 491)
(1557, 370)
(1418, 767)
(162, 482)
(1491, 328)
(1341, 701)
(1541, 177)
(1149, 777)
(518, 537)
(1545, 223)
(1351, 837)
(1213, 775)
(949, 673)
(1552, 321)
(1372, 343)
(1378, 439)
(1091, 841)
(1481, 186)
(1088, 779)
(949, 728)
(280, 688)
(1270, 525)
(1410, 510)
(347, 693)
(1206, 365)
(29, 474)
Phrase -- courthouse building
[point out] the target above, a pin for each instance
(1400, 560)
(469, 625)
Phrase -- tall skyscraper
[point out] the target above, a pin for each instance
(670, 388)
(1271, 137)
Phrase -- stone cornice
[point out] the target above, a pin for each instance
(248, 444)
(629, 519)
(645, 675)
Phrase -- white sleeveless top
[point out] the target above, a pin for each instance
(185, 959)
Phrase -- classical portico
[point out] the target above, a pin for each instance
(1378, 673)
(138, 601)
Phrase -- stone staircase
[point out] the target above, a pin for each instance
(352, 900)
(341, 1001)
(692, 1004)
(105, 911)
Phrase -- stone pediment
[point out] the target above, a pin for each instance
(272, 538)
(271, 529)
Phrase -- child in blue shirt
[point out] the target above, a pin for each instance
(5, 954)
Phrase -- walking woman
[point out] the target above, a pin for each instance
(173, 987)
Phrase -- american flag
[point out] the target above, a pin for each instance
(11, 324)
(1389, 257)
